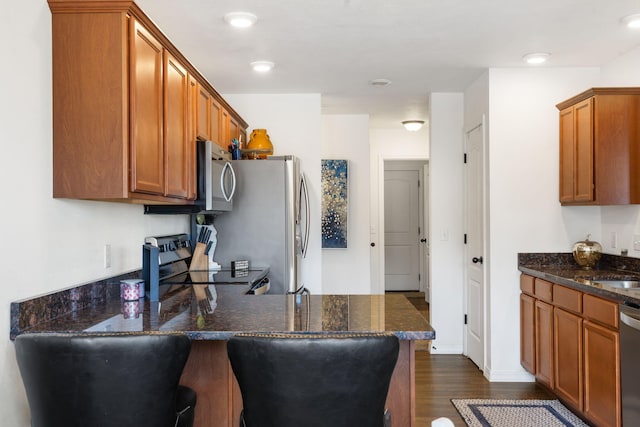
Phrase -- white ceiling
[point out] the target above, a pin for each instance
(335, 47)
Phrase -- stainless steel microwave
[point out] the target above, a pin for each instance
(216, 182)
(220, 181)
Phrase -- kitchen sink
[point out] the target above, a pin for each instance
(621, 284)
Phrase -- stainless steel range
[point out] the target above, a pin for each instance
(166, 262)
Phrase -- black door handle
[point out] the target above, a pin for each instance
(476, 260)
(423, 240)
(372, 244)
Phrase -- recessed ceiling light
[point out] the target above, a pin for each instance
(413, 125)
(632, 21)
(536, 58)
(380, 82)
(262, 66)
(240, 19)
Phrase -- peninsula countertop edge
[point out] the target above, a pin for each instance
(98, 308)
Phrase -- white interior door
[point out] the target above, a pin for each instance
(426, 247)
(402, 229)
(474, 214)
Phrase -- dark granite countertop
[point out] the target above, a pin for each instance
(562, 269)
(226, 311)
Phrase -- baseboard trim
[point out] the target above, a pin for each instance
(520, 376)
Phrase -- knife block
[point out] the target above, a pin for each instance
(199, 261)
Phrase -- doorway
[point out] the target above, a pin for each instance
(475, 256)
(405, 234)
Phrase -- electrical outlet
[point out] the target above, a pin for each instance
(614, 240)
(636, 242)
(107, 256)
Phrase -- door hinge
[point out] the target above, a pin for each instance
(419, 278)
(465, 238)
(418, 183)
(465, 158)
(465, 319)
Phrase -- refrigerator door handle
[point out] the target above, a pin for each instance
(228, 169)
(304, 197)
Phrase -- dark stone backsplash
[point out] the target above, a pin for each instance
(29, 312)
(607, 262)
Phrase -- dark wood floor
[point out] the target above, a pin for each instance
(440, 378)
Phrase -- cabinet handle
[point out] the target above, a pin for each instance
(476, 260)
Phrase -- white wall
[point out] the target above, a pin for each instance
(346, 271)
(294, 125)
(48, 244)
(446, 228)
(622, 220)
(388, 144)
(523, 177)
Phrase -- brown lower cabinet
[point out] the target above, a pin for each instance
(544, 343)
(602, 375)
(567, 350)
(527, 334)
(570, 341)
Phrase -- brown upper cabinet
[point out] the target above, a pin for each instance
(203, 119)
(127, 106)
(599, 147)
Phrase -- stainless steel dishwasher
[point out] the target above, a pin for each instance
(630, 363)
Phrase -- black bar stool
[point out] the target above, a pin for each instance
(106, 380)
(293, 380)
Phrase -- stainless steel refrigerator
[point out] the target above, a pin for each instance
(269, 224)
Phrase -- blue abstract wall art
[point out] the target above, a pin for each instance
(334, 178)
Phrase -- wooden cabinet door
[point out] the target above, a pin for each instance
(216, 125)
(145, 115)
(192, 185)
(527, 333)
(544, 343)
(224, 128)
(601, 375)
(203, 114)
(583, 172)
(242, 137)
(567, 339)
(178, 150)
(567, 155)
(234, 129)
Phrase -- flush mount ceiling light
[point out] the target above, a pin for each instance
(413, 125)
(632, 21)
(380, 82)
(262, 66)
(536, 58)
(240, 19)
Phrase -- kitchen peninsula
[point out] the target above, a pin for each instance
(210, 314)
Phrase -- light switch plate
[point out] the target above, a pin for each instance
(107, 256)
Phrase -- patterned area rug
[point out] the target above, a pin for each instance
(512, 413)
